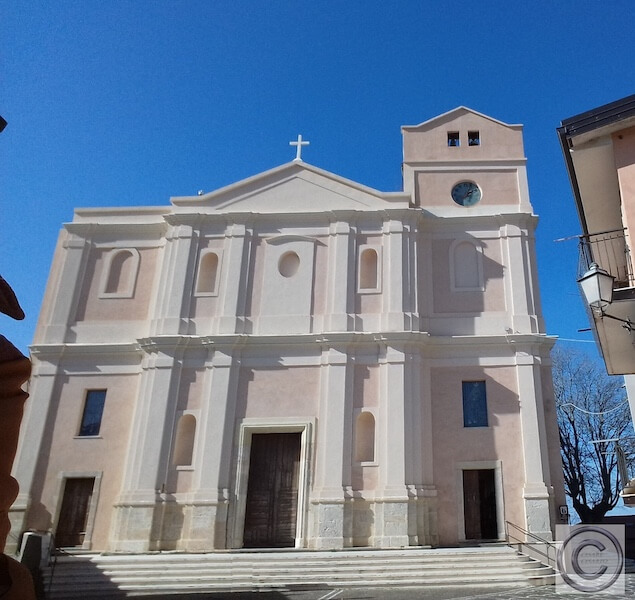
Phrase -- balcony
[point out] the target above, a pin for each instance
(610, 250)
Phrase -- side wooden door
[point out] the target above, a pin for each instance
(479, 501)
(71, 526)
(272, 491)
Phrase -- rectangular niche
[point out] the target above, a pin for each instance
(287, 284)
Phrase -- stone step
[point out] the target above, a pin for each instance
(95, 576)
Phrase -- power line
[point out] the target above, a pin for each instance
(588, 412)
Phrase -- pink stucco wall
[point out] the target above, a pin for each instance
(493, 296)
(428, 142)
(279, 392)
(93, 308)
(63, 451)
(453, 443)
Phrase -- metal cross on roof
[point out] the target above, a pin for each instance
(299, 144)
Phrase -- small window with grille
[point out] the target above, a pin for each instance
(473, 138)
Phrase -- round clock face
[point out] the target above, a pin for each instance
(466, 193)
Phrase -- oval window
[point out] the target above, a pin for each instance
(289, 264)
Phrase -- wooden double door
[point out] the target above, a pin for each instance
(272, 491)
(479, 501)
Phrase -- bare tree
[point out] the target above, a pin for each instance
(592, 407)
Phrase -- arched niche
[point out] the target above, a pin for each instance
(184, 441)
(120, 273)
(466, 266)
(208, 273)
(365, 437)
(368, 269)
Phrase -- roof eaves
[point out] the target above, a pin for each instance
(599, 117)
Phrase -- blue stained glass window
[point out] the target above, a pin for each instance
(93, 410)
(474, 404)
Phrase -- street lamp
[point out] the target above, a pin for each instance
(597, 287)
(628, 485)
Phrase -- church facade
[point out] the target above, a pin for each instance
(297, 360)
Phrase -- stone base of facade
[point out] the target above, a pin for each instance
(328, 525)
(391, 524)
(538, 516)
(422, 518)
(133, 528)
(169, 525)
(336, 524)
(205, 527)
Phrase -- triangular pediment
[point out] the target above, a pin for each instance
(430, 141)
(453, 115)
(295, 187)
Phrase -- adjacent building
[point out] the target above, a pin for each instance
(298, 360)
(599, 153)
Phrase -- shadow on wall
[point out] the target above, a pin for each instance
(469, 280)
(362, 521)
(167, 524)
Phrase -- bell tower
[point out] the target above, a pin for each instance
(463, 163)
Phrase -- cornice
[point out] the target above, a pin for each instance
(464, 164)
(47, 352)
(487, 222)
(471, 347)
(129, 229)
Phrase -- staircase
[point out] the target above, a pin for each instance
(118, 575)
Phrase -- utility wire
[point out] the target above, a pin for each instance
(588, 412)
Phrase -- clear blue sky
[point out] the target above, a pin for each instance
(125, 103)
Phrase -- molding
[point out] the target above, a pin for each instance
(457, 221)
(464, 165)
(478, 248)
(246, 428)
(127, 288)
(118, 229)
(245, 188)
(225, 342)
(58, 496)
(497, 466)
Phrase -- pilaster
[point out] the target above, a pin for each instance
(392, 503)
(68, 289)
(136, 527)
(334, 415)
(42, 387)
(177, 274)
(536, 492)
(235, 276)
(393, 318)
(210, 494)
(341, 277)
(521, 280)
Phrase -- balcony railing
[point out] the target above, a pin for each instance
(610, 250)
